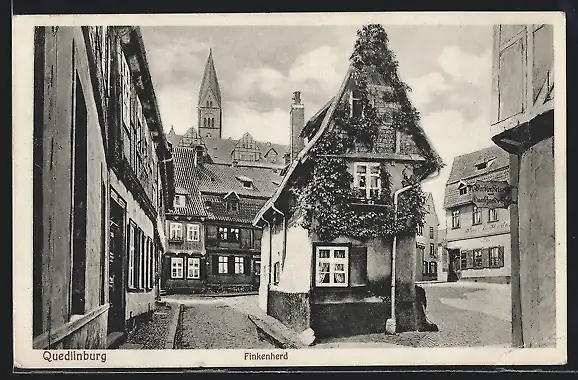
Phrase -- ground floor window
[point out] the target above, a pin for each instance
(463, 260)
(276, 272)
(176, 267)
(478, 260)
(223, 262)
(496, 257)
(424, 267)
(193, 268)
(257, 268)
(331, 266)
(239, 265)
(433, 267)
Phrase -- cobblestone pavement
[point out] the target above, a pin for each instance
(152, 335)
(482, 319)
(213, 324)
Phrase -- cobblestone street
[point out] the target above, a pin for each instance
(467, 315)
(214, 323)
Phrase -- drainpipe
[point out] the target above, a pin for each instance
(284, 232)
(270, 240)
(391, 323)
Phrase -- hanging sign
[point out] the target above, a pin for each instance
(491, 194)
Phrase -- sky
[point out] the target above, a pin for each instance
(448, 68)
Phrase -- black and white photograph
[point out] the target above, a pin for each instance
(268, 190)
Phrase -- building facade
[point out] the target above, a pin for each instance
(427, 244)
(340, 285)
(523, 126)
(478, 239)
(212, 244)
(220, 185)
(81, 267)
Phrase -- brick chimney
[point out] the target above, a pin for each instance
(199, 156)
(297, 115)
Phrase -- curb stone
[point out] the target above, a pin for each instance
(175, 316)
(281, 337)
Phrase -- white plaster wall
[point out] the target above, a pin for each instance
(486, 242)
(264, 281)
(297, 271)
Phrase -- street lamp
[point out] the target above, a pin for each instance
(391, 322)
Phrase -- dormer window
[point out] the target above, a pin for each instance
(485, 164)
(356, 106)
(179, 201)
(463, 188)
(232, 202)
(246, 182)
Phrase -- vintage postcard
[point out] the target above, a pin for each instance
(277, 190)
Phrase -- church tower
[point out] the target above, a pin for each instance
(209, 106)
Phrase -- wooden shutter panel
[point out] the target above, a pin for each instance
(211, 232)
(358, 266)
(137, 244)
(470, 258)
(231, 265)
(485, 257)
(247, 264)
(245, 238)
(501, 256)
(215, 264)
(166, 268)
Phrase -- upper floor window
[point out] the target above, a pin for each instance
(179, 201)
(176, 231)
(419, 230)
(492, 214)
(476, 215)
(463, 188)
(367, 179)
(456, 219)
(355, 103)
(228, 234)
(193, 232)
(431, 232)
(432, 250)
(232, 205)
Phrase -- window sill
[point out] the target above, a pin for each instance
(139, 290)
(76, 322)
(493, 221)
(455, 228)
(476, 224)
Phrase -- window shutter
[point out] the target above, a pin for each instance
(245, 238)
(166, 267)
(257, 239)
(470, 258)
(231, 265)
(247, 264)
(501, 256)
(485, 257)
(211, 232)
(215, 264)
(137, 249)
(358, 266)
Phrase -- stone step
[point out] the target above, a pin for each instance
(114, 339)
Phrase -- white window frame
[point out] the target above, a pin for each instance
(131, 256)
(456, 217)
(476, 215)
(367, 175)
(223, 264)
(332, 261)
(179, 201)
(239, 265)
(178, 228)
(496, 214)
(175, 261)
(193, 268)
(193, 232)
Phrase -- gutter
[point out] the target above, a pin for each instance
(391, 322)
(284, 234)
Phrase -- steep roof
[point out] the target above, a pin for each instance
(464, 171)
(216, 209)
(220, 150)
(302, 156)
(210, 81)
(464, 166)
(215, 181)
(430, 205)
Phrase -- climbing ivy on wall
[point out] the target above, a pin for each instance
(323, 192)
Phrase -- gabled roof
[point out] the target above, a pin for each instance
(431, 205)
(210, 81)
(464, 166)
(302, 156)
(217, 210)
(231, 194)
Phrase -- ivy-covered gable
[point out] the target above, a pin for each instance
(341, 183)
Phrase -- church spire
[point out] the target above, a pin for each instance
(210, 82)
(209, 106)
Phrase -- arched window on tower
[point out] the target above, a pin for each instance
(208, 104)
(205, 122)
(212, 122)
